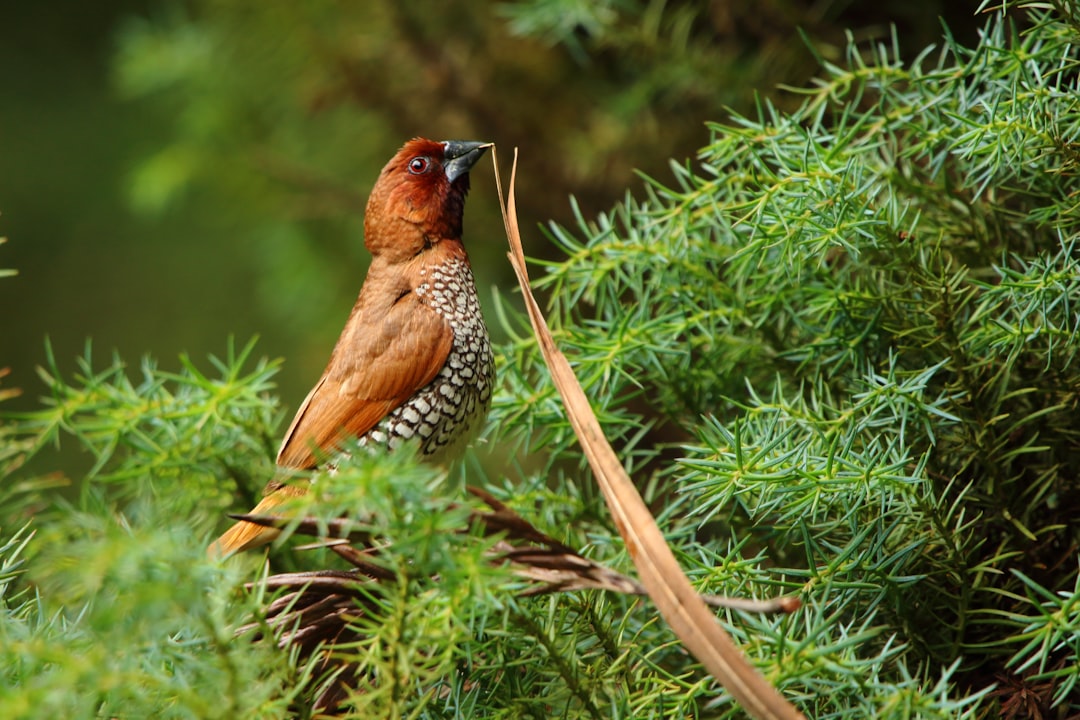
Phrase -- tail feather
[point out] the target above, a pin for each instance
(246, 535)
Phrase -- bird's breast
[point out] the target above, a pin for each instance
(447, 413)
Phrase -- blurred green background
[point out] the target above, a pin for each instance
(172, 173)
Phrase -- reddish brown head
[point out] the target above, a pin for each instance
(419, 198)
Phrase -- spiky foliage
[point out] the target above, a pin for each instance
(863, 318)
(838, 351)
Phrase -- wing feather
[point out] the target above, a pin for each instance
(378, 364)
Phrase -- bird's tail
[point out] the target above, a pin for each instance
(246, 535)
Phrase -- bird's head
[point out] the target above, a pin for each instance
(419, 198)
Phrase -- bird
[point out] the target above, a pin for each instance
(414, 362)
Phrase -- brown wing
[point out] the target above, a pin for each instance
(378, 364)
(382, 359)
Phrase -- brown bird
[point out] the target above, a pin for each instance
(414, 361)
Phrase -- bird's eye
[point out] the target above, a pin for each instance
(419, 165)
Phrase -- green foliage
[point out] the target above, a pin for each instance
(109, 605)
(839, 352)
(154, 432)
(863, 317)
(128, 618)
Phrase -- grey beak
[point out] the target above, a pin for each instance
(460, 156)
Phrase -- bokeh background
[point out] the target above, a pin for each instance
(175, 173)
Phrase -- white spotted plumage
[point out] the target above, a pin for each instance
(447, 412)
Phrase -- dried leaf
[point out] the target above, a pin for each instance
(660, 573)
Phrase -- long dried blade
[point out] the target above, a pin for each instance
(660, 573)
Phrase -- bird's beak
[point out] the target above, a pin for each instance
(460, 156)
